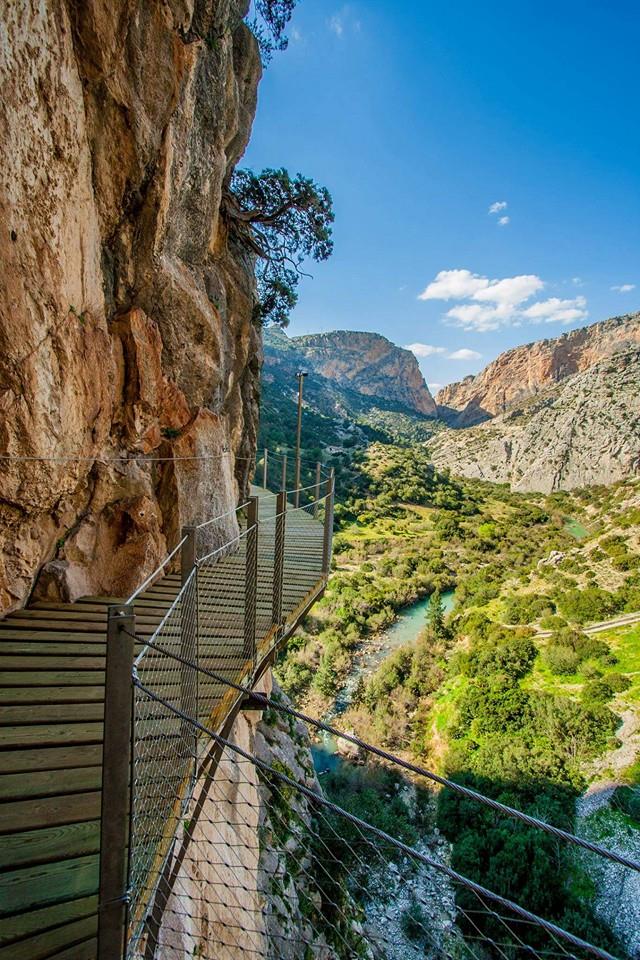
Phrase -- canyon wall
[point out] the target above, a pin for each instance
(369, 364)
(584, 430)
(127, 349)
(530, 369)
(244, 880)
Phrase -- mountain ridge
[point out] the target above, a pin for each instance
(369, 364)
(528, 370)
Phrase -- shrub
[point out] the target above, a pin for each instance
(560, 659)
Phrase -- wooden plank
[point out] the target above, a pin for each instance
(25, 815)
(48, 783)
(51, 663)
(48, 883)
(51, 713)
(70, 936)
(23, 925)
(49, 844)
(50, 678)
(36, 695)
(38, 648)
(50, 758)
(81, 951)
(46, 735)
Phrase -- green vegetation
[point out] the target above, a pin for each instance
(481, 694)
(281, 220)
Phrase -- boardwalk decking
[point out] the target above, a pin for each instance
(52, 663)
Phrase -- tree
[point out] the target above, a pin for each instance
(435, 615)
(282, 221)
(270, 19)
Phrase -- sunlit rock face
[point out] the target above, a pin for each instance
(369, 364)
(241, 873)
(584, 430)
(531, 369)
(125, 313)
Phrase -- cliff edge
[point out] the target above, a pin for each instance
(125, 312)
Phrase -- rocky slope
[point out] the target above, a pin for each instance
(585, 430)
(125, 313)
(532, 368)
(369, 364)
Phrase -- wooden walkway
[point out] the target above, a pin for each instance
(52, 663)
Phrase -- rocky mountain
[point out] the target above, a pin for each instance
(528, 370)
(369, 364)
(583, 430)
(126, 323)
(336, 412)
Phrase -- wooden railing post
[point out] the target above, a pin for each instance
(278, 557)
(265, 472)
(284, 471)
(328, 524)
(116, 796)
(316, 491)
(189, 630)
(251, 582)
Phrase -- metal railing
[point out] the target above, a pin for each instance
(267, 864)
(245, 580)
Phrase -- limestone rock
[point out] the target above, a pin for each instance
(529, 370)
(585, 430)
(125, 315)
(370, 364)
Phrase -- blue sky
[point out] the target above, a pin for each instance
(422, 118)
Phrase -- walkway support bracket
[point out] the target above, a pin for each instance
(189, 633)
(116, 768)
(251, 582)
(278, 558)
(328, 524)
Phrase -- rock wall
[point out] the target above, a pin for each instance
(369, 364)
(243, 881)
(583, 431)
(125, 311)
(528, 370)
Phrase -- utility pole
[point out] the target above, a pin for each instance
(301, 374)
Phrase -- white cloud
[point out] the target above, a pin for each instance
(453, 285)
(510, 291)
(465, 354)
(336, 25)
(424, 349)
(577, 281)
(434, 387)
(503, 221)
(492, 304)
(555, 310)
(498, 206)
(624, 288)
(295, 35)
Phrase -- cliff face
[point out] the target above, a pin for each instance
(583, 431)
(125, 313)
(369, 364)
(244, 880)
(530, 369)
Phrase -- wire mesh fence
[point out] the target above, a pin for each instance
(244, 578)
(265, 865)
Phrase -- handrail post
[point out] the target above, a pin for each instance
(266, 468)
(116, 792)
(328, 524)
(189, 634)
(284, 471)
(316, 491)
(251, 582)
(278, 558)
(296, 495)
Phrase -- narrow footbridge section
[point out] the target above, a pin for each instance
(81, 746)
